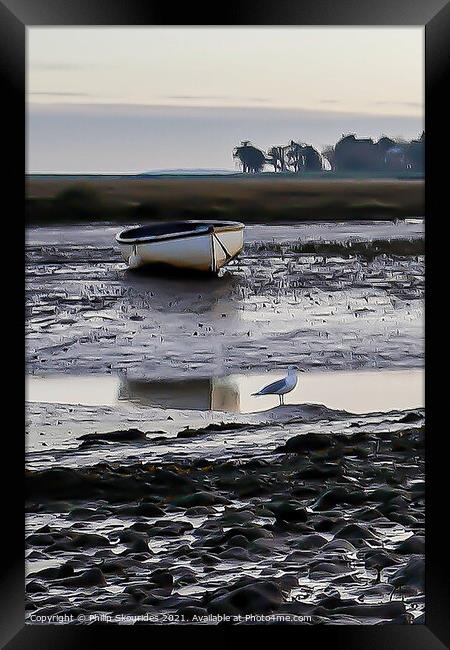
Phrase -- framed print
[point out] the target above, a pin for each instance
(224, 321)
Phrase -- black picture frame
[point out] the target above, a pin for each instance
(15, 17)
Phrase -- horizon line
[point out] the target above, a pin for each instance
(258, 108)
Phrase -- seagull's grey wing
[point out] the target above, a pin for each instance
(273, 388)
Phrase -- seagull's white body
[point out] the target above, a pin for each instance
(282, 386)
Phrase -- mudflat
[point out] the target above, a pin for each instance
(160, 489)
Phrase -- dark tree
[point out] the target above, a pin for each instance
(277, 157)
(312, 159)
(406, 155)
(395, 158)
(385, 143)
(415, 154)
(349, 154)
(295, 156)
(252, 160)
(354, 154)
(329, 154)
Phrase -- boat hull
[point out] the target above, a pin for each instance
(205, 252)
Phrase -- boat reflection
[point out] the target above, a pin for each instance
(203, 394)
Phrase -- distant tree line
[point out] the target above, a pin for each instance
(349, 154)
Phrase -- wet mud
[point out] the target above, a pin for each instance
(324, 528)
(173, 502)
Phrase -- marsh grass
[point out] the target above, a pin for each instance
(365, 249)
(245, 199)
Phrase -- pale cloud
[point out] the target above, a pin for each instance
(279, 67)
(57, 66)
(394, 103)
(57, 93)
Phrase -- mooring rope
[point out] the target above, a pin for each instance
(222, 246)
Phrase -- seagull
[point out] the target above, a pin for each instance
(282, 386)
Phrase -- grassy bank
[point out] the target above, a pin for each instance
(365, 249)
(254, 200)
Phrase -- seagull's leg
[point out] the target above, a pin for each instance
(378, 578)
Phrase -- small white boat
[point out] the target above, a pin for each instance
(194, 245)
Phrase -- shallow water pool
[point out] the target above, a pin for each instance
(355, 391)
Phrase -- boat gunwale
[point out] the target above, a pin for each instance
(211, 227)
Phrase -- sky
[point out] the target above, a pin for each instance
(131, 99)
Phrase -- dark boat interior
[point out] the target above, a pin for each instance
(170, 228)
